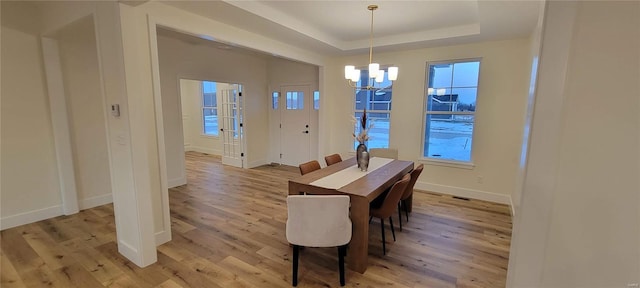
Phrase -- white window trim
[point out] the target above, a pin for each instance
(447, 162)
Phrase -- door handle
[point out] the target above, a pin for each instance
(307, 132)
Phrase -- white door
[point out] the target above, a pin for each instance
(295, 129)
(231, 128)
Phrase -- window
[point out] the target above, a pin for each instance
(274, 100)
(378, 105)
(316, 100)
(295, 100)
(209, 109)
(450, 108)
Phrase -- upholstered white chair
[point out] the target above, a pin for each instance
(318, 221)
(384, 153)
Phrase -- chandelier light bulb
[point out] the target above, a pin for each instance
(393, 73)
(373, 70)
(355, 75)
(380, 76)
(348, 71)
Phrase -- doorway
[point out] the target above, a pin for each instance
(212, 119)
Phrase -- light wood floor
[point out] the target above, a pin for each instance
(228, 229)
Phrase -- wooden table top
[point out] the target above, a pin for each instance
(369, 186)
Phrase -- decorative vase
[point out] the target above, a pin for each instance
(362, 157)
(364, 161)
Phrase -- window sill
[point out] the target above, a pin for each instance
(448, 163)
(210, 136)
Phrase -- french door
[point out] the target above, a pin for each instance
(231, 129)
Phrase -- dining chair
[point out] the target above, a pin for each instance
(388, 206)
(384, 153)
(310, 166)
(415, 173)
(318, 221)
(332, 159)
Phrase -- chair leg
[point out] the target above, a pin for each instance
(400, 215)
(294, 278)
(392, 232)
(384, 248)
(406, 209)
(342, 250)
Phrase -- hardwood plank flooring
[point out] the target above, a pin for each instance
(228, 230)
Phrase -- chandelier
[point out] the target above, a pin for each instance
(376, 75)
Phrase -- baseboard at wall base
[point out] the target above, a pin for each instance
(163, 237)
(205, 150)
(175, 182)
(129, 252)
(30, 217)
(95, 201)
(464, 192)
(258, 163)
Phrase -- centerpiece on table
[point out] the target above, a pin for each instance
(362, 154)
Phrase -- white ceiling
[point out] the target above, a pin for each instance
(343, 27)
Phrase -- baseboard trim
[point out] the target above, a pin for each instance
(175, 182)
(464, 192)
(129, 252)
(205, 150)
(96, 201)
(162, 237)
(257, 163)
(30, 217)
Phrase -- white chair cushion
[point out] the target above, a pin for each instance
(318, 220)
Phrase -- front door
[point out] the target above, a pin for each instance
(295, 125)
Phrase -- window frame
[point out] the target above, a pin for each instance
(449, 162)
(203, 107)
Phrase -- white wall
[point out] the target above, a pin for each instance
(86, 113)
(534, 58)
(501, 104)
(579, 224)
(29, 179)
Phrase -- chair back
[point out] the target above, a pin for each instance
(318, 220)
(391, 153)
(393, 197)
(332, 159)
(414, 177)
(310, 166)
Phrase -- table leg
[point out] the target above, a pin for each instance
(359, 245)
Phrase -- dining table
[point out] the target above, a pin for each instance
(362, 187)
